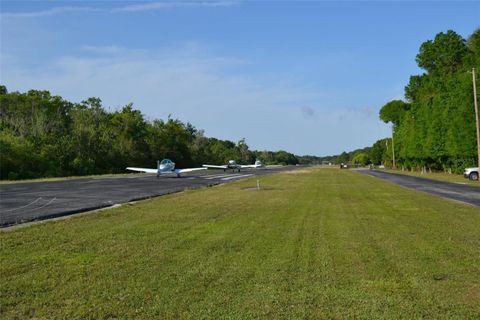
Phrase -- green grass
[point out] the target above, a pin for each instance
(332, 244)
(455, 178)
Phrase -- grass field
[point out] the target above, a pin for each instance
(455, 178)
(327, 243)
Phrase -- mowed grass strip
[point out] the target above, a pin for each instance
(441, 176)
(325, 243)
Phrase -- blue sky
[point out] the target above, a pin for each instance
(304, 76)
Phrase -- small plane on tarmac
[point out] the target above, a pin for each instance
(232, 165)
(166, 166)
(259, 164)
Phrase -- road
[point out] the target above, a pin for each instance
(448, 190)
(26, 202)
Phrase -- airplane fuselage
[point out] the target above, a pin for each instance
(166, 166)
(232, 165)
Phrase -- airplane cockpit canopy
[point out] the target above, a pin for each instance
(166, 161)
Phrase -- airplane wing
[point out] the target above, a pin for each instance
(188, 170)
(249, 166)
(214, 167)
(255, 166)
(146, 170)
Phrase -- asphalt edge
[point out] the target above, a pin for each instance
(92, 209)
(412, 189)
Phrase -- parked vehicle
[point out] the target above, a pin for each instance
(471, 173)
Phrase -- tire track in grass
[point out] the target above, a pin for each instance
(304, 251)
(396, 257)
(342, 249)
(387, 279)
(310, 279)
(198, 269)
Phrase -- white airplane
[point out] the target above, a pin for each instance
(166, 166)
(259, 164)
(232, 164)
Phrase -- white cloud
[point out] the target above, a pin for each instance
(103, 49)
(46, 13)
(197, 87)
(149, 6)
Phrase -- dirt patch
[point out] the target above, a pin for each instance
(301, 171)
(472, 295)
(261, 188)
(440, 276)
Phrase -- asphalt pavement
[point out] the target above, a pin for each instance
(26, 202)
(448, 190)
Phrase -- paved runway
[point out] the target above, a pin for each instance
(25, 202)
(448, 190)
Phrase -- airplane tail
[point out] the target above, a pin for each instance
(158, 168)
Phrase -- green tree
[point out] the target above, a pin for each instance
(343, 158)
(172, 139)
(393, 111)
(361, 158)
(445, 54)
(435, 129)
(378, 152)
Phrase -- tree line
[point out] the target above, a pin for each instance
(434, 126)
(47, 136)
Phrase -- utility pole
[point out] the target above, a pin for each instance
(476, 115)
(393, 148)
